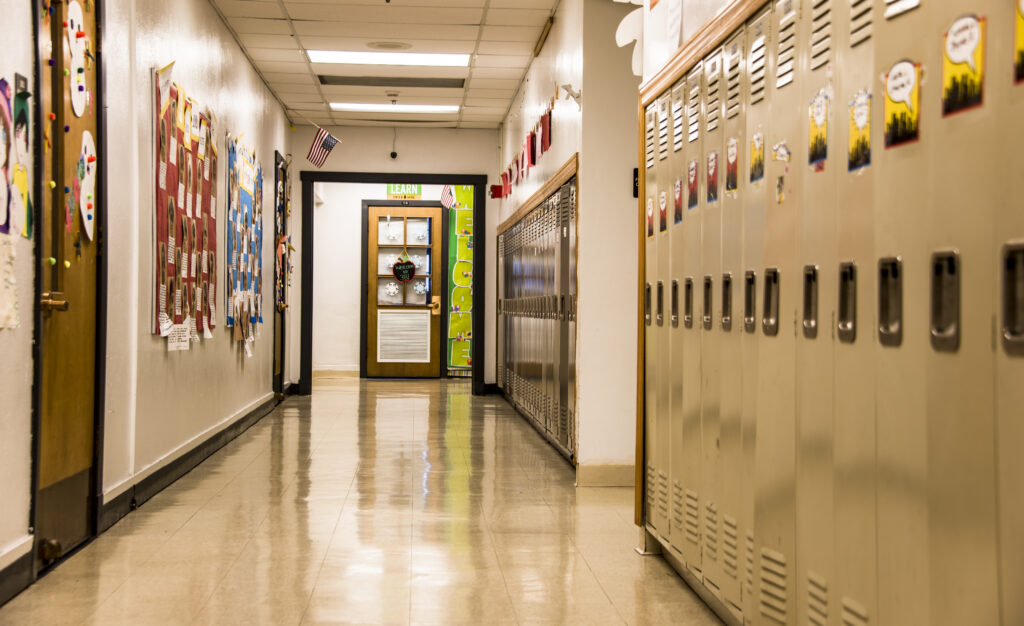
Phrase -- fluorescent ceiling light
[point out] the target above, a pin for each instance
(388, 58)
(361, 107)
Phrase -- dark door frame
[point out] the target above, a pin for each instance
(479, 182)
(364, 282)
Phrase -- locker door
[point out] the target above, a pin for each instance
(691, 283)
(776, 455)
(760, 66)
(501, 318)
(961, 459)
(1009, 362)
(709, 286)
(814, 283)
(854, 379)
(570, 303)
(730, 325)
(662, 295)
(901, 421)
(651, 353)
(677, 177)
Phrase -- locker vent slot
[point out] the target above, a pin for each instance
(652, 489)
(945, 310)
(773, 586)
(663, 116)
(730, 545)
(693, 110)
(711, 531)
(854, 613)
(817, 599)
(692, 517)
(677, 505)
(749, 300)
(733, 74)
(770, 309)
(1013, 299)
(785, 60)
(677, 118)
(750, 563)
(821, 33)
(860, 21)
(663, 494)
(726, 302)
(649, 139)
(847, 323)
(890, 302)
(756, 69)
(714, 106)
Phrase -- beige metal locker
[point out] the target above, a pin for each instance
(760, 67)
(818, 284)
(901, 352)
(776, 455)
(651, 351)
(853, 585)
(663, 324)
(729, 323)
(961, 424)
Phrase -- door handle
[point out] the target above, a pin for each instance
(435, 307)
(54, 301)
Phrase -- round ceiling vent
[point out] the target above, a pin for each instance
(389, 45)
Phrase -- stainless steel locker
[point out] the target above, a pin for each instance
(853, 585)
(776, 455)
(709, 287)
(961, 414)
(813, 281)
(901, 418)
(760, 65)
(729, 322)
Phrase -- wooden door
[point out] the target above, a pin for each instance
(403, 322)
(70, 239)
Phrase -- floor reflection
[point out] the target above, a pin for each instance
(376, 502)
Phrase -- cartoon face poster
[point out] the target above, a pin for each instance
(678, 200)
(650, 217)
(692, 185)
(712, 177)
(662, 212)
(756, 157)
(963, 64)
(732, 164)
(902, 109)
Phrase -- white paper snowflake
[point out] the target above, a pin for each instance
(392, 233)
(391, 260)
(417, 261)
(420, 288)
(391, 289)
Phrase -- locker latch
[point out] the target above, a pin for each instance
(890, 301)
(770, 309)
(727, 302)
(708, 303)
(749, 301)
(810, 316)
(1013, 299)
(945, 313)
(847, 324)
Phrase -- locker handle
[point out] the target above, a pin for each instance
(647, 304)
(890, 301)
(750, 301)
(1013, 299)
(726, 302)
(770, 312)
(661, 304)
(945, 313)
(847, 324)
(810, 321)
(675, 303)
(561, 308)
(708, 292)
(688, 302)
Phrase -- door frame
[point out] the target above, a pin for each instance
(479, 182)
(364, 283)
(100, 357)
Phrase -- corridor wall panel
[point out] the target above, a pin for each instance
(840, 393)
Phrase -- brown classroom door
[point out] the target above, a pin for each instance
(68, 269)
(403, 322)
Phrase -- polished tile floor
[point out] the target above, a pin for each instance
(389, 502)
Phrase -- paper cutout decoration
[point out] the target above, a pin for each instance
(732, 164)
(1018, 43)
(712, 177)
(756, 157)
(902, 110)
(76, 46)
(692, 184)
(86, 179)
(963, 65)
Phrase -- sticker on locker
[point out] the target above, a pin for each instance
(650, 217)
(732, 164)
(756, 157)
(902, 110)
(817, 137)
(678, 217)
(859, 150)
(712, 172)
(692, 185)
(963, 65)
(662, 212)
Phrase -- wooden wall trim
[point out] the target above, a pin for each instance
(559, 178)
(700, 44)
(641, 464)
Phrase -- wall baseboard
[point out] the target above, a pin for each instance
(605, 475)
(16, 577)
(111, 512)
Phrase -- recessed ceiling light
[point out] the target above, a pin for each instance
(362, 107)
(389, 45)
(388, 58)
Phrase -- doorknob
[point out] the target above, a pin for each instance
(435, 307)
(54, 301)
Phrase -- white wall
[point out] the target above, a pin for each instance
(420, 151)
(160, 404)
(16, 344)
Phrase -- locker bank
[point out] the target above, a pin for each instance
(512, 312)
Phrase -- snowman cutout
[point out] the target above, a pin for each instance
(87, 177)
(76, 47)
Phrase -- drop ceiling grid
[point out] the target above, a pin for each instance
(499, 34)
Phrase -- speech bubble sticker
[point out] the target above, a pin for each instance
(861, 109)
(819, 108)
(733, 149)
(962, 41)
(692, 171)
(900, 83)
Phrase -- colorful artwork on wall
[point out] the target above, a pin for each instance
(185, 217)
(460, 264)
(245, 242)
(282, 238)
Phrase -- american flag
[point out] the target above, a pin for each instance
(323, 143)
(447, 197)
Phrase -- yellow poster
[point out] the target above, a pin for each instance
(817, 137)
(859, 153)
(1018, 46)
(902, 110)
(963, 64)
(756, 157)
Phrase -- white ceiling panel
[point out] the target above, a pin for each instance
(495, 110)
(443, 46)
(342, 69)
(468, 124)
(490, 83)
(490, 93)
(513, 73)
(517, 17)
(384, 13)
(249, 8)
(384, 32)
(487, 102)
(284, 67)
(511, 33)
(501, 60)
(257, 26)
(268, 41)
(547, 5)
(281, 79)
(408, 117)
(406, 95)
(289, 55)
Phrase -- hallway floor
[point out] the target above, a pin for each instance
(384, 502)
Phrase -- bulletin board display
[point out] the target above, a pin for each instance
(185, 218)
(460, 296)
(244, 244)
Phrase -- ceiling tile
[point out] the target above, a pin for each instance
(514, 73)
(395, 3)
(283, 66)
(291, 55)
(384, 14)
(490, 83)
(268, 41)
(517, 17)
(249, 8)
(445, 46)
(490, 93)
(499, 60)
(511, 33)
(340, 69)
(284, 78)
(385, 32)
(257, 26)
(547, 5)
(405, 94)
(466, 124)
